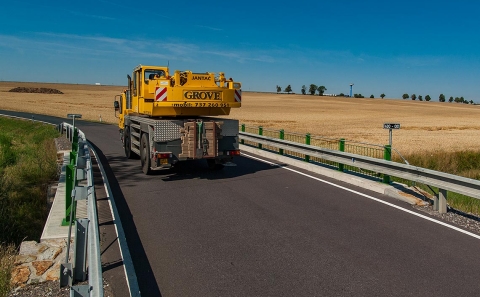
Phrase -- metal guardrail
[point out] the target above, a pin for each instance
(87, 239)
(340, 144)
(93, 254)
(444, 181)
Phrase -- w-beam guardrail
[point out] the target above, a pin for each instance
(385, 152)
(80, 186)
(444, 181)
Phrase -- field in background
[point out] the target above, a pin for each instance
(89, 100)
(439, 136)
(427, 127)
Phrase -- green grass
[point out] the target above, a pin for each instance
(463, 163)
(27, 166)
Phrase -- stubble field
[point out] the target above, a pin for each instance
(425, 126)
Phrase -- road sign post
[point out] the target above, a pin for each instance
(388, 148)
(73, 116)
(390, 127)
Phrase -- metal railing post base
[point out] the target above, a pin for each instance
(80, 291)
(66, 275)
(440, 201)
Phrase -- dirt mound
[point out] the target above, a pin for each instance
(35, 90)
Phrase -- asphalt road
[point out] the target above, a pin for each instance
(261, 230)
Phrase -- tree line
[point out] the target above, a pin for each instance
(321, 90)
(441, 98)
(312, 90)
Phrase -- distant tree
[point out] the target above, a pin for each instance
(462, 99)
(358, 96)
(450, 99)
(288, 89)
(321, 90)
(405, 96)
(312, 89)
(420, 97)
(465, 102)
(371, 96)
(413, 96)
(341, 94)
(427, 98)
(304, 89)
(382, 95)
(441, 98)
(279, 89)
(471, 101)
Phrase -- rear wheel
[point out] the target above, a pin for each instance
(127, 143)
(145, 154)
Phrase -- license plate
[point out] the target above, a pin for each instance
(163, 161)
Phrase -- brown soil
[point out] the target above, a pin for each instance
(35, 90)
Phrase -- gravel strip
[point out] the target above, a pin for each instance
(52, 289)
(458, 218)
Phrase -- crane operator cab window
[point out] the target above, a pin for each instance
(153, 74)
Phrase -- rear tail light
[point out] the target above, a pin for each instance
(164, 155)
(233, 153)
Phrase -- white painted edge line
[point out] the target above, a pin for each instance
(20, 118)
(368, 196)
(128, 267)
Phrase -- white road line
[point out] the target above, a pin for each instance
(128, 267)
(33, 119)
(369, 197)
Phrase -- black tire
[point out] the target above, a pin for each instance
(145, 154)
(212, 165)
(127, 143)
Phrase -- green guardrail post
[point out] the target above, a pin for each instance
(69, 186)
(260, 132)
(243, 130)
(387, 155)
(282, 137)
(307, 142)
(341, 147)
(73, 158)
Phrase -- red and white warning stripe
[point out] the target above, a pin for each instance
(161, 94)
(238, 95)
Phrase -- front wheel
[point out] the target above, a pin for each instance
(145, 154)
(127, 143)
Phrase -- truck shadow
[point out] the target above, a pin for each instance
(198, 169)
(130, 172)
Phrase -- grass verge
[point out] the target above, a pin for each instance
(27, 166)
(463, 163)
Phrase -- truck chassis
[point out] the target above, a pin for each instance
(163, 142)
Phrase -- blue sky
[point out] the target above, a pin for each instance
(391, 47)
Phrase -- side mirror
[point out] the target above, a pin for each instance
(116, 105)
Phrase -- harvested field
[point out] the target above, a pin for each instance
(425, 126)
(89, 100)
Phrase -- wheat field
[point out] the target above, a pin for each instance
(425, 126)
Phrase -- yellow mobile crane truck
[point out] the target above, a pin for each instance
(165, 118)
